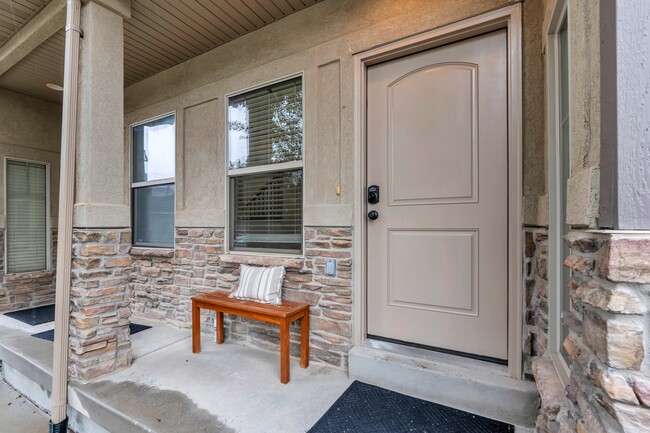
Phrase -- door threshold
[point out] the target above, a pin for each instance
(440, 350)
(446, 379)
(430, 359)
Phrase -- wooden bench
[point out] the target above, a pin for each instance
(282, 315)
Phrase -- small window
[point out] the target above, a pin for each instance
(27, 225)
(153, 182)
(265, 168)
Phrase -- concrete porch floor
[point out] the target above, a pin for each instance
(225, 388)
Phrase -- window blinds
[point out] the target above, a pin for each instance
(265, 125)
(268, 210)
(26, 191)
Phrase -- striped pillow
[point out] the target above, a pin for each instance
(260, 284)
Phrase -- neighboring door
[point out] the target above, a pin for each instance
(437, 147)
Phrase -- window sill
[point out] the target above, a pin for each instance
(29, 275)
(292, 262)
(167, 253)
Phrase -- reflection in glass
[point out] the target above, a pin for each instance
(154, 145)
(153, 223)
(267, 211)
(265, 125)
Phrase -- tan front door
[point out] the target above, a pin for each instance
(438, 150)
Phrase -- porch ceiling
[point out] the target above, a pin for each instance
(14, 14)
(159, 35)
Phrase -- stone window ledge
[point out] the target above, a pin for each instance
(152, 252)
(246, 259)
(28, 276)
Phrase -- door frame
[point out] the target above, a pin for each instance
(508, 18)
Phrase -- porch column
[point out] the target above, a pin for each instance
(625, 115)
(99, 324)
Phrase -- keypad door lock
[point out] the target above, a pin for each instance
(373, 194)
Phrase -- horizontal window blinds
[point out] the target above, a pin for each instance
(26, 191)
(265, 125)
(268, 210)
(154, 215)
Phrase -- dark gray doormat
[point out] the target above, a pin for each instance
(34, 316)
(365, 408)
(49, 335)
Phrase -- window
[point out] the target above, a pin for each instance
(153, 177)
(559, 171)
(265, 169)
(27, 216)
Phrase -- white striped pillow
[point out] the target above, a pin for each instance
(260, 284)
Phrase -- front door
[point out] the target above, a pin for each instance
(437, 148)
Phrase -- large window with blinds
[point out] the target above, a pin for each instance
(27, 216)
(265, 168)
(153, 182)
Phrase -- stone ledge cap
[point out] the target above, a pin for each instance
(245, 259)
(152, 252)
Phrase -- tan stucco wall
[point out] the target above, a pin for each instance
(584, 183)
(30, 128)
(320, 42)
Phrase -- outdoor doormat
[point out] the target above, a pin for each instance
(34, 316)
(365, 408)
(49, 335)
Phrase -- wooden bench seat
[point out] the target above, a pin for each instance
(281, 315)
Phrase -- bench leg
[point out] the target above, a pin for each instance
(284, 351)
(220, 330)
(196, 328)
(304, 340)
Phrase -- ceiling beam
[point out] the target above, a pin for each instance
(38, 30)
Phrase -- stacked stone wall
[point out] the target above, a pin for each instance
(535, 296)
(608, 341)
(28, 289)
(100, 340)
(163, 283)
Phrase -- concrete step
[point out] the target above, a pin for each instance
(474, 386)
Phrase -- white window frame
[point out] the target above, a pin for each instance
(555, 155)
(269, 168)
(48, 217)
(169, 180)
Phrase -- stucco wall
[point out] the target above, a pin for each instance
(320, 42)
(584, 49)
(30, 128)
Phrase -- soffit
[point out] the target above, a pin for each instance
(159, 35)
(41, 66)
(14, 14)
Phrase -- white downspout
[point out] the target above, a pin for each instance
(59, 420)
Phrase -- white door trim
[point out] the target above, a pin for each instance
(509, 18)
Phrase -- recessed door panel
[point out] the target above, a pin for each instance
(432, 135)
(437, 148)
(421, 260)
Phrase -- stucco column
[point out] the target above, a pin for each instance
(100, 311)
(101, 199)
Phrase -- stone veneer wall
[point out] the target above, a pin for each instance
(535, 296)
(163, 283)
(100, 340)
(609, 386)
(29, 289)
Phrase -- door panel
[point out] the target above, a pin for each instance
(437, 148)
(440, 173)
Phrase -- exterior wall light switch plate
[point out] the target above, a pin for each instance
(330, 267)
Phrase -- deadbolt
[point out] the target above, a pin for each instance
(373, 194)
